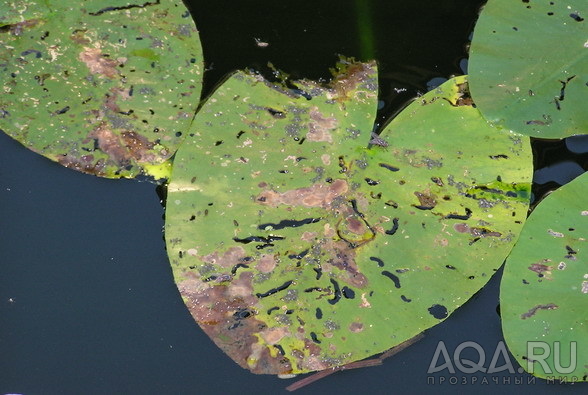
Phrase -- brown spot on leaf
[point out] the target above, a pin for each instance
(475, 231)
(541, 269)
(354, 75)
(319, 129)
(461, 228)
(138, 147)
(266, 264)
(78, 36)
(311, 360)
(426, 199)
(364, 302)
(230, 258)
(464, 99)
(356, 226)
(533, 310)
(84, 164)
(356, 327)
(341, 256)
(97, 63)
(240, 288)
(274, 335)
(328, 231)
(317, 195)
(216, 308)
(308, 236)
(109, 143)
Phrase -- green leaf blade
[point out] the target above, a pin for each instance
(103, 90)
(299, 246)
(529, 67)
(545, 286)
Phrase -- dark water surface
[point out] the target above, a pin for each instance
(87, 300)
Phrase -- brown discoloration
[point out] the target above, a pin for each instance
(352, 228)
(97, 63)
(267, 263)
(129, 146)
(109, 143)
(85, 164)
(138, 146)
(328, 231)
(364, 302)
(356, 327)
(356, 225)
(464, 99)
(541, 269)
(347, 82)
(341, 256)
(214, 308)
(483, 232)
(18, 28)
(317, 195)
(308, 236)
(426, 199)
(230, 258)
(110, 103)
(320, 127)
(241, 288)
(475, 231)
(274, 335)
(313, 361)
(79, 37)
(533, 310)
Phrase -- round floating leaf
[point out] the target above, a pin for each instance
(544, 289)
(104, 88)
(297, 245)
(529, 66)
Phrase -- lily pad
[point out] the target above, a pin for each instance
(103, 88)
(529, 66)
(544, 289)
(298, 245)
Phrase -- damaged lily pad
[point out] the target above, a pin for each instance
(529, 66)
(298, 245)
(106, 88)
(544, 289)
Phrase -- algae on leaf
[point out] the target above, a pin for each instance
(107, 88)
(297, 245)
(529, 66)
(544, 289)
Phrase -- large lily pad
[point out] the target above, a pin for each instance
(529, 66)
(104, 88)
(299, 246)
(544, 289)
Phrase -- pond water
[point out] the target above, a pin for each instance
(87, 300)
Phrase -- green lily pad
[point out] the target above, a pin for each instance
(544, 289)
(529, 66)
(297, 245)
(103, 88)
